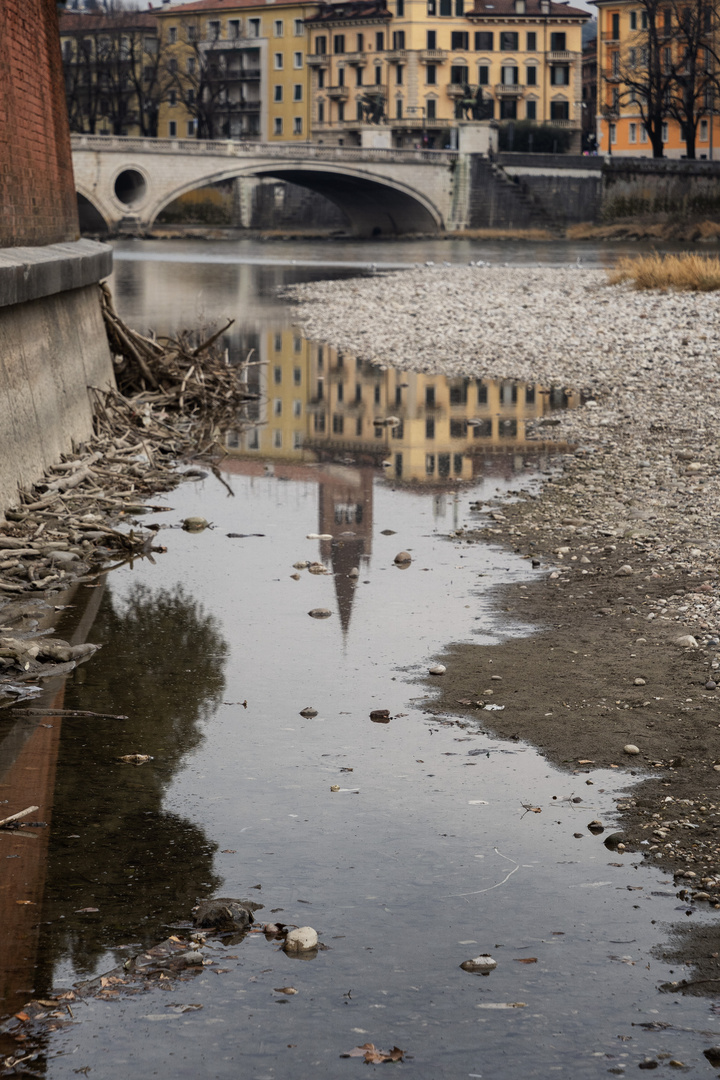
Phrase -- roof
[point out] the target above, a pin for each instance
(505, 9)
(351, 10)
(218, 6)
(73, 22)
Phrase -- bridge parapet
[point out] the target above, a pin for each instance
(120, 144)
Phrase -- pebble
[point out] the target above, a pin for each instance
(640, 682)
(596, 826)
(687, 641)
(710, 685)
(194, 524)
(437, 669)
(403, 558)
(308, 712)
(479, 965)
(301, 940)
(624, 571)
(320, 613)
(630, 748)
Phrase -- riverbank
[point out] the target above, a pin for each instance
(624, 536)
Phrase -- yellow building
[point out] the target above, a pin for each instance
(236, 70)
(419, 66)
(622, 47)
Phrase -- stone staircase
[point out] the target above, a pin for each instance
(495, 201)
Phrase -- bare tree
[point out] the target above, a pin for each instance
(692, 51)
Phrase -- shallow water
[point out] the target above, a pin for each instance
(429, 854)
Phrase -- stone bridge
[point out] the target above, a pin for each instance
(382, 191)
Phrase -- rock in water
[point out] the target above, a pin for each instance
(403, 558)
(194, 524)
(301, 940)
(480, 965)
(224, 913)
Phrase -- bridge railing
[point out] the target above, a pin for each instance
(232, 148)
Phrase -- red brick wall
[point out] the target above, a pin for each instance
(37, 191)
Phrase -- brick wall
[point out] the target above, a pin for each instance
(37, 191)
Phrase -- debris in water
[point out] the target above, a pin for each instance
(403, 558)
(135, 759)
(480, 965)
(372, 1056)
(320, 613)
(304, 939)
(224, 913)
(194, 524)
(380, 716)
(308, 712)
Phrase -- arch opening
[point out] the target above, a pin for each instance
(130, 187)
(89, 217)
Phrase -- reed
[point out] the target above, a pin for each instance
(685, 273)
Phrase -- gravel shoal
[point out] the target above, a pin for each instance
(624, 533)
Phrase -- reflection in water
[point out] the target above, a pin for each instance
(113, 846)
(318, 403)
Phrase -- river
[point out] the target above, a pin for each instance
(410, 846)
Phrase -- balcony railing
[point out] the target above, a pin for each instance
(338, 93)
(561, 56)
(565, 123)
(396, 56)
(609, 37)
(357, 59)
(250, 74)
(456, 90)
(509, 89)
(433, 56)
(317, 60)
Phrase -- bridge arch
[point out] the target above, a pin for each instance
(375, 205)
(91, 217)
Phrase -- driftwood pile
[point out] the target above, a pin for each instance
(176, 398)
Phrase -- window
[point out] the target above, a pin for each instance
(297, 375)
(278, 61)
(297, 440)
(431, 39)
(644, 20)
(297, 60)
(278, 28)
(633, 20)
(398, 109)
(559, 110)
(172, 35)
(459, 73)
(459, 7)
(400, 8)
(615, 63)
(341, 76)
(298, 28)
(430, 427)
(432, 7)
(172, 97)
(431, 75)
(509, 76)
(192, 33)
(483, 74)
(253, 28)
(399, 75)
(430, 108)
(191, 65)
(320, 45)
(560, 75)
(378, 76)
(277, 439)
(615, 27)
(277, 126)
(297, 92)
(214, 30)
(531, 76)
(398, 39)
(613, 134)
(341, 111)
(445, 7)
(429, 397)
(379, 41)
(172, 129)
(484, 41)
(321, 79)
(531, 110)
(339, 43)
(321, 112)
(233, 29)
(557, 42)
(191, 129)
(632, 133)
(277, 93)
(459, 40)
(338, 424)
(277, 371)
(319, 422)
(172, 64)
(508, 40)
(457, 429)
(340, 393)
(277, 344)
(643, 134)
(665, 133)
(703, 131)
(531, 45)
(358, 76)
(297, 125)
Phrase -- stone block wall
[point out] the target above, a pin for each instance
(37, 192)
(660, 186)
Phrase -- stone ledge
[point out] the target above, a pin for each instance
(31, 273)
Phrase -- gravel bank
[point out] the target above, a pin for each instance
(625, 534)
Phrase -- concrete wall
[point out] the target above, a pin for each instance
(52, 347)
(634, 186)
(37, 193)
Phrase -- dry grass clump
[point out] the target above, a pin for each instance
(686, 273)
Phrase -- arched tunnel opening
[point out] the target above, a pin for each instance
(130, 186)
(374, 209)
(89, 217)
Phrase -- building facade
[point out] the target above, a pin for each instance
(622, 54)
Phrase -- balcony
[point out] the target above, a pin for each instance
(246, 74)
(433, 56)
(396, 56)
(456, 90)
(609, 37)
(317, 60)
(356, 59)
(509, 90)
(562, 56)
(338, 93)
(565, 123)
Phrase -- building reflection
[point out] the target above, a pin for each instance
(317, 404)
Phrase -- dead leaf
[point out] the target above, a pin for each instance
(585, 761)
(135, 759)
(229, 851)
(531, 809)
(23, 1016)
(372, 1056)
(285, 990)
(83, 910)
(526, 959)
(22, 903)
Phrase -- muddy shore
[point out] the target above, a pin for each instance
(623, 537)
